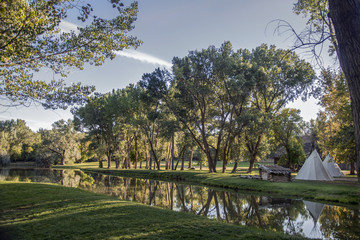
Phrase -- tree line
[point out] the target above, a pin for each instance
(217, 105)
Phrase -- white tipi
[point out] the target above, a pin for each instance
(313, 169)
(332, 167)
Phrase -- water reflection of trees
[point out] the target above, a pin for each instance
(340, 223)
(231, 207)
(282, 215)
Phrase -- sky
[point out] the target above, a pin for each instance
(169, 29)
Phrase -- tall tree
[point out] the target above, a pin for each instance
(281, 77)
(153, 89)
(63, 141)
(287, 129)
(97, 118)
(32, 39)
(209, 90)
(125, 104)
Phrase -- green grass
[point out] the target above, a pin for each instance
(46, 211)
(330, 192)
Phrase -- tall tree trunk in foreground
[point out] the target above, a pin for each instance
(345, 16)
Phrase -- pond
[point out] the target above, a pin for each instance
(291, 216)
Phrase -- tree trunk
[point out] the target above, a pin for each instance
(252, 161)
(211, 166)
(168, 156)
(172, 151)
(226, 151)
(287, 149)
(235, 167)
(352, 168)
(183, 161)
(109, 160)
(136, 149)
(128, 160)
(191, 157)
(150, 162)
(147, 155)
(253, 150)
(124, 166)
(63, 158)
(224, 166)
(345, 16)
(108, 155)
(157, 164)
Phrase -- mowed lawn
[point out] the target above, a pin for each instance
(46, 211)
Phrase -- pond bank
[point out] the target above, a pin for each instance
(47, 211)
(347, 193)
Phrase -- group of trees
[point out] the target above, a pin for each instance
(218, 105)
(219, 101)
(223, 105)
(17, 141)
(60, 145)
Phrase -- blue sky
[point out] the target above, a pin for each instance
(172, 28)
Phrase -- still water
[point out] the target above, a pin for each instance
(291, 216)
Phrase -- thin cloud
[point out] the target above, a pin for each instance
(143, 57)
(66, 26)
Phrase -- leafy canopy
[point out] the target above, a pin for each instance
(32, 39)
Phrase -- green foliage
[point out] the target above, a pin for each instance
(98, 120)
(287, 128)
(19, 142)
(32, 39)
(281, 77)
(335, 125)
(60, 145)
(295, 154)
(208, 94)
(215, 97)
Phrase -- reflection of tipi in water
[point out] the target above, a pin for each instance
(315, 209)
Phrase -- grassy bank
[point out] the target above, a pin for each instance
(331, 192)
(46, 211)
